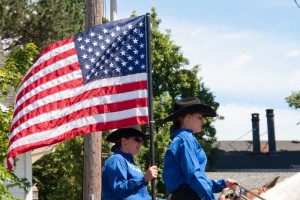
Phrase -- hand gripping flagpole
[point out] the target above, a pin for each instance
(150, 101)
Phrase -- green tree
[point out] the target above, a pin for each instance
(42, 22)
(15, 16)
(5, 176)
(55, 20)
(17, 63)
(294, 100)
(64, 174)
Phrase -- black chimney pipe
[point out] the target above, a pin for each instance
(255, 133)
(271, 131)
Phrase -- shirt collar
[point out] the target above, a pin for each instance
(126, 155)
(181, 131)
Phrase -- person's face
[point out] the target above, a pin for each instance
(195, 122)
(133, 145)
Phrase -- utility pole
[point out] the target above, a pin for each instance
(93, 141)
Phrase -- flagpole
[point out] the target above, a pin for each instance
(150, 97)
(92, 142)
(113, 17)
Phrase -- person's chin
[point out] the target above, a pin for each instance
(137, 152)
(197, 132)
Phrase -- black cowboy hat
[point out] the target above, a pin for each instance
(190, 105)
(132, 131)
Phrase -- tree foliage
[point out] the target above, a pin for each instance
(15, 16)
(17, 63)
(41, 22)
(56, 20)
(64, 174)
(294, 100)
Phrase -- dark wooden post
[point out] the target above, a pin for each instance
(93, 141)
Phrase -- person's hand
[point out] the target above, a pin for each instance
(222, 197)
(151, 173)
(231, 184)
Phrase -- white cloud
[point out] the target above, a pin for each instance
(240, 61)
(244, 66)
(244, 59)
(293, 53)
(197, 32)
(245, 63)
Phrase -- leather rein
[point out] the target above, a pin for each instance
(240, 196)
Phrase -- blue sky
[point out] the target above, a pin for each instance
(249, 53)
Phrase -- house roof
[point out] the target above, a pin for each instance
(281, 145)
(252, 170)
(252, 179)
(239, 155)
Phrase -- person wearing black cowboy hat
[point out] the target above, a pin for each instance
(185, 160)
(121, 177)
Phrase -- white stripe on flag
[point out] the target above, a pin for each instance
(93, 119)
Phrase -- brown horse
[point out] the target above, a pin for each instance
(245, 194)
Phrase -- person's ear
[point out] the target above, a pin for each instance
(123, 141)
(189, 116)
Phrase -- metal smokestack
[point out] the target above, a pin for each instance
(271, 131)
(255, 133)
(113, 10)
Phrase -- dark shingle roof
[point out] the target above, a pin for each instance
(251, 179)
(247, 145)
(239, 155)
(237, 161)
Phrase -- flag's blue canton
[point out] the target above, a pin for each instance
(113, 49)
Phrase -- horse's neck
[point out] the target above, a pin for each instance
(258, 191)
(287, 189)
(255, 192)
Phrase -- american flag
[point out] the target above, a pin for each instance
(94, 81)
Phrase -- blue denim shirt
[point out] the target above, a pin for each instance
(123, 179)
(184, 163)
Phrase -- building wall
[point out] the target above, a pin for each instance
(1, 54)
(23, 170)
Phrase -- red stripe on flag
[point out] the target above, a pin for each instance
(48, 77)
(70, 101)
(45, 51)
(56, 45)
(50, 91)
(79, 131)
(100, 109)
(55, 89)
